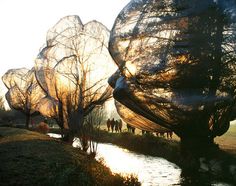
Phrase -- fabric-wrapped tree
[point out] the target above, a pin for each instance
(73, 69)
(24, 93)
(176, 64)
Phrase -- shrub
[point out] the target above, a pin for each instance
(131, 180)
(42, 128)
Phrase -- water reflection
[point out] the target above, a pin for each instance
(151, 171)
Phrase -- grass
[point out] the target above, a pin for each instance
(227, 141)
(29, 158)
(171, 150)
(145, 144)
(161, 147)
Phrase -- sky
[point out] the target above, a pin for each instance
(24, 24)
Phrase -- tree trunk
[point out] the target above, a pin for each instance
(75, 123)
(27, 121)
(68, 136)
(193, 148)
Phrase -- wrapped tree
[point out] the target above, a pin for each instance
(176, 64)
(24, 93)
(73, 69)
(138, 121)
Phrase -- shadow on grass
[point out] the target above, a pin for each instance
(26, 160)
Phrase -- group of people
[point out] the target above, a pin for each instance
(130, 128)
(114, 125)
(169, 134)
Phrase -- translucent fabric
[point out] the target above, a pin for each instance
(74, 66)
(176, 62)
(24, 93)
(138, 121)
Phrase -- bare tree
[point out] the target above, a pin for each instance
(176, 64)
(73, 69)
(90, 130)
(24, 93)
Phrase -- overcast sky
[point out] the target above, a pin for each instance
(24, 24)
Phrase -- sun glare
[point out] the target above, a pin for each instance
(118, 160)
(149, 170)
(130, 69)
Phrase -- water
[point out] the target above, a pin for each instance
(151, 171)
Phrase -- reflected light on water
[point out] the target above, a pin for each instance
(149, 170)
(118, 159)
(54, 135)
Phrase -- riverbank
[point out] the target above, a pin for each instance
(29, 158)
(216, 164)
(144, 144)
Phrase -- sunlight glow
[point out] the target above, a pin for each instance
(130, 69)
(118, 160)
(33, 19)
(149, 170)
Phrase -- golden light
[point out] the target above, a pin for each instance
(118, 159)
(181, 59)
(149, 170)
(64, 83)
(130, 69)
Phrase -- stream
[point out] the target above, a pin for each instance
(151, 171)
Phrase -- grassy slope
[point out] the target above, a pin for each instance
(30, 158)
(228, 140)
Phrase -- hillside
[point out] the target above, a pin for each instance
(228, 140)
(29, 158)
